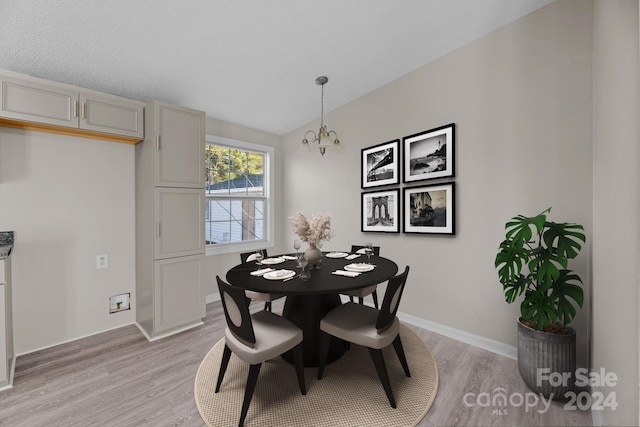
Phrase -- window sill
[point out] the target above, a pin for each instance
(237, 248)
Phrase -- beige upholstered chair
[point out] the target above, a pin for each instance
(369, 290)
(259, 296)
(366, 326)
(255, 339)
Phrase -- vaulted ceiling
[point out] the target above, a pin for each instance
(250, 62)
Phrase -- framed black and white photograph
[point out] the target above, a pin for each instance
(381, 211)
(429, 154)
(380, 164)
(429, 209)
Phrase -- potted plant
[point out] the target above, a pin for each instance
(533, 261)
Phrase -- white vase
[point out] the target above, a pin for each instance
(313, 254)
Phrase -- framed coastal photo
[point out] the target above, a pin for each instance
(429, 209)
(429, 154)
(380, 211)
(380, 164)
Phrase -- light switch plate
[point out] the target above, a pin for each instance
(102, 261)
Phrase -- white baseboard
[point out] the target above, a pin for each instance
(74, 339)
(456, 334)
(465, 337)
(168, 334)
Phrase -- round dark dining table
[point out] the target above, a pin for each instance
(308, 301)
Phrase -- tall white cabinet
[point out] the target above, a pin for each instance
(170, 212)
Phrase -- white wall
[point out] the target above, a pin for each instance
(616, 211)
(68, 199)
(521, 101)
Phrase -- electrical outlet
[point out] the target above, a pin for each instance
(119, 303)
(102, 261)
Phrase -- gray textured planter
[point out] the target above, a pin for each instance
(551, 357)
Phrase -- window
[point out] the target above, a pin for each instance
(238, 206)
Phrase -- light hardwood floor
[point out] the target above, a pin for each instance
(118, 378)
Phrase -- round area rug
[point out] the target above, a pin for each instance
(349, 393)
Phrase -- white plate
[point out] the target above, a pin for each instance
(272, 261)
(279, 274)
(336, 254)
(359, 267)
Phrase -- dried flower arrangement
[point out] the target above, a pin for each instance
(313, 232)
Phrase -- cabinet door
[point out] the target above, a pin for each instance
(179, 155)
(111, 115)
(179, 297)
(40, 103)
(179, 222)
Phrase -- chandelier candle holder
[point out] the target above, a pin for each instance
(324, 138)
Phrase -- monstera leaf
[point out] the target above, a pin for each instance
(564, 238)
(520, 230)
(539, 309)
(563, 292)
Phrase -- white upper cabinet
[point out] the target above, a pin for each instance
(179, 146)
(111, 115)
(41, 103)
(45, 105)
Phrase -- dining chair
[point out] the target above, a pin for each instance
(255, 338)
(369, 290)
(375, 329)
(259, 296)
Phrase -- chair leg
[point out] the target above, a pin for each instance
(325, 340)
(226, 354)
(397, 344)
(267, 306)
(360, 300)
(297, 360)
(350, 298)
(378, 361)
(254, 370)
(375, 299)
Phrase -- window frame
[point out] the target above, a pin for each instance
(268, 183)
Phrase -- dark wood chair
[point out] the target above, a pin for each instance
(371, 328)
(259, 296)
(255, 338)
(369, 290)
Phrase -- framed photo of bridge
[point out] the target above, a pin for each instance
(381, 164)
(429, 209)
(381, 211)
(429, 154)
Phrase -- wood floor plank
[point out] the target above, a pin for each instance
(118, 378)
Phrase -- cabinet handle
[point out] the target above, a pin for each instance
(75, 108)
(157, 142)
(84, 110)
(158, 230)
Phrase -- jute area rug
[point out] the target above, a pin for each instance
(349, 394)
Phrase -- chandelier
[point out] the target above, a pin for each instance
(324, 138)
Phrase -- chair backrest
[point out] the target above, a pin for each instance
(391, 301)
(360, 249)
(236, 311)
(251, 256)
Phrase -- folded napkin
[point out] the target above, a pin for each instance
(346, 273)
(352, 256)
(288, 257)
(261, 272)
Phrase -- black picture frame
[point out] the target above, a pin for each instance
(380, 164)
(429, 154)
(429, 209)
(380, 211)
